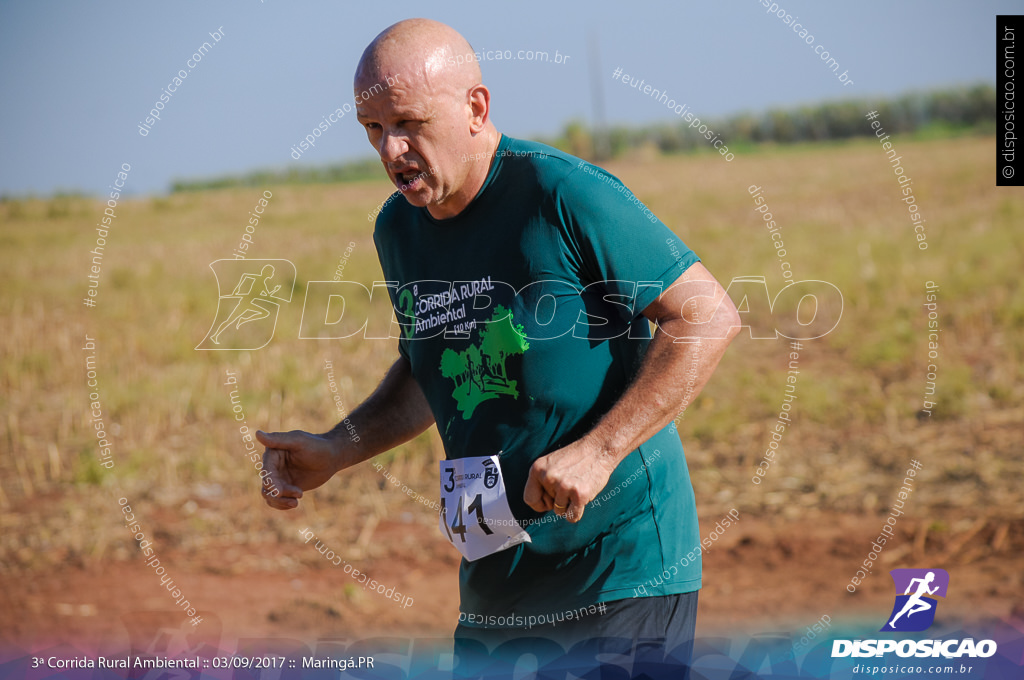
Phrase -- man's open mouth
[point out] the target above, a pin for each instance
(408, 179)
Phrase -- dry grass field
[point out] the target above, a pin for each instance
(73, 573)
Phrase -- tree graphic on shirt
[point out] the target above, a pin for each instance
(479, 371)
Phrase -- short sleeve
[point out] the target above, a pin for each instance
(616, 239)
(389, 267)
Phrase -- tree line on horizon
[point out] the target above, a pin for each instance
(936, 113)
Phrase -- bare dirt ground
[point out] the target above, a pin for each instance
(762, 575)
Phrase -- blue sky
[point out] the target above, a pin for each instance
(79, 77)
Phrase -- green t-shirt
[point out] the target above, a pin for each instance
(521, 320)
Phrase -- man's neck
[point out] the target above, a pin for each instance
(482, 161)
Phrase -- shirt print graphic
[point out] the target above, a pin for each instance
(478, 372)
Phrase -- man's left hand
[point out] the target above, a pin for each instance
(567, 479)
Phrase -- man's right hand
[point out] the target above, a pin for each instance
(297, 461)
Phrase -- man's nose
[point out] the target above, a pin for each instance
(392, 147)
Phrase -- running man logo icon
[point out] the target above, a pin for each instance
(914, 610)
(247, 316)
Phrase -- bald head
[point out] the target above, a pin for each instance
(427, 54)
(427, 114)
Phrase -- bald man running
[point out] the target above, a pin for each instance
(525, 282)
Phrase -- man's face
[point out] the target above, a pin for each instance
(420, 136)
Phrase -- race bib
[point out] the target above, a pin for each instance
(475, 515)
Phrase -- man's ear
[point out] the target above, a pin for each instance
(480, 107)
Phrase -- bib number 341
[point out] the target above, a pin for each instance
(475, 515)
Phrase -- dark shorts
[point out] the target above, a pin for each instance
(647, 637)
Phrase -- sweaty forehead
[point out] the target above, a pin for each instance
(428, 57)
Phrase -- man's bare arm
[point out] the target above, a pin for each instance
(674, 370)
(393, 414)
(299, 461)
